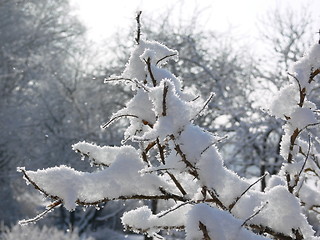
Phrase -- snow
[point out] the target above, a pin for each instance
(220, 225)
(194, 141)
(105, 155)
(309, 63)
(214, 175)
(284, 102)
(142, 218)
(283, 216)
(178, 112)
(122, 178)
(135, 68)
(302, 117)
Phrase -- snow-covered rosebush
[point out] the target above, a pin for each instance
(171, 159)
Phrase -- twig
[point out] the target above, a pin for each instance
(161, 152)
(204, 229)
(91, 159)
(244, 192)
(192, 170)
(297, 80)
(160, 215)
(171, 195)
(39, 216)
(313, 74)
(141, 230)
(255, 214)
(125, 115)
(165, 58)
(204, 106)
(164, 99)
(127, 79)
(219, 140)
(196, 98)
(215, 197)
(157, 170)
(165, 196)
(307, 156)
(116, 117)
(176, 182)
(148, 62)
(36, 185)
(303, 165)
(138, 27)
(276, 235)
